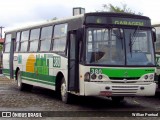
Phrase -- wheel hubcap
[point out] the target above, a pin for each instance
(19, 80)
(63, 90)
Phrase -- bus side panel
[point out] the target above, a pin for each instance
(60, 64)
(40, 69)
(6, 69)
(82, 71)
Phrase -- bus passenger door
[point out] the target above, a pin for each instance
(11, 56)
(8, 55)
(73, 64)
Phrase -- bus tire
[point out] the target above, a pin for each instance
(22, 86)
(65, 96)
(117, 99)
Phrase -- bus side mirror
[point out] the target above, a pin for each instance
(154, 36)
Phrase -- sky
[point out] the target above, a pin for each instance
(17, 13)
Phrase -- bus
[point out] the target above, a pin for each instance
(157, 53)
(92, 54)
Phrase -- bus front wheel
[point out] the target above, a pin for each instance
(65, 96)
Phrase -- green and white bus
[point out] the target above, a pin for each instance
(93, 54)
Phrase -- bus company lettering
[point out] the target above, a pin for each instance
(128, 23)
(56, 61)
(26, 114)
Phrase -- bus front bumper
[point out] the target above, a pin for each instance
(103, 89)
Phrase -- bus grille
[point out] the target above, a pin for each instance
(118, 78)
(124, 90)
(121, 80)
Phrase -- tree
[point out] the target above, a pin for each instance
(116, 9)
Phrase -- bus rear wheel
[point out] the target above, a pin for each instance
(65, 96)
(22, 86)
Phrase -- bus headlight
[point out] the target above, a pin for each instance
(100, 77)
(146, 77)
(93, 76)
(151, 76)
(87, 76)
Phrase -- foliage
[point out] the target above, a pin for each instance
(116, 9)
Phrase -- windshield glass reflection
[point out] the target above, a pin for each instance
(117, 46)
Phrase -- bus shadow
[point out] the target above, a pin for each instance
(157, 95)
(95, 103)
(104, 103)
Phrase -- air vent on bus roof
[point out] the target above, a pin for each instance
(78, 11)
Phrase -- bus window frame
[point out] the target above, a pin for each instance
(39, 49)
(111, 26)
(53, 38)
(4, 48)
(30, 41)
(24, 41)
(18, 41)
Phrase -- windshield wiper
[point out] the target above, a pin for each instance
(133, 39)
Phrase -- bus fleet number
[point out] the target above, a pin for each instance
(96, 71)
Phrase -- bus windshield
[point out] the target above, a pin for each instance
(117, 46)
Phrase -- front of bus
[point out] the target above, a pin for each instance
(119, 56)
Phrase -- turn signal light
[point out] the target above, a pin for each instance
(87, 76)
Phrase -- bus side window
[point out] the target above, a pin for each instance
(59, 37)
(17, 41)
(24, 41)
(7, 43)
(34, 38)
(45, 39)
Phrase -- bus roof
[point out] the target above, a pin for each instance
(113, 14)
(82, 16)
(46, 23)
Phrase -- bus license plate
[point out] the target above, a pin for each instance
(105, 93)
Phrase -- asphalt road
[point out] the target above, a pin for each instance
(83, 108)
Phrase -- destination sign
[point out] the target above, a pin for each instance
(128, 21)
(118, 21)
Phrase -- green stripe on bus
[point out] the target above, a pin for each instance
(39, 78)
(39, 81)
(46, 79)
(125, 72)
(110, 72)
(5, 71)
